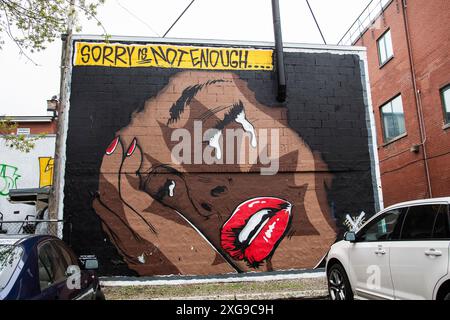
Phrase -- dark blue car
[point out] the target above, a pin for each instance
(43, 267)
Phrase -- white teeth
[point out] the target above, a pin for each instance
(252, 223)
(171, 188)
(214, 142)
(247, 126)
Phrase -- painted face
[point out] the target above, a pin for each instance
(207, 180)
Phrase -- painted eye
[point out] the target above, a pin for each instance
(132, 147)
(112, 147)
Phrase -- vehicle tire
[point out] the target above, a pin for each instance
(99, 295)
(338, 284)
(447, 296)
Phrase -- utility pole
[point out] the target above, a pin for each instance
(56, 196)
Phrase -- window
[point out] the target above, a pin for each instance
(10, 257)
(385, 51)
(445, 97)
(66, 256)
(441, 229)
(51, 267)
(384, 229)
(393, 119)
(420, 222)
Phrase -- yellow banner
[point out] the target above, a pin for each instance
(170, 56)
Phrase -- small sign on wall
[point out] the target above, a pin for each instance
(23, 131)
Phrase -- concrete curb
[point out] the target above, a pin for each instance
(180, 280)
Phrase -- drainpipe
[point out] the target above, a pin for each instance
(418, 101)
(281, 97)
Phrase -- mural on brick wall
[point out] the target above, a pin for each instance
(208, 174)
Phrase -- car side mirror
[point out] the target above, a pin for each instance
(89, 262)
(350, 236)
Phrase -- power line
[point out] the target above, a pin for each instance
(315, 20)
(137, 18)
(178, 19)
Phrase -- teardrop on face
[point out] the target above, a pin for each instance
(132, 148)
(112, 147)
(241, 118)
(171, 188)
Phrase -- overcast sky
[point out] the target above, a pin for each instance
(24, 88)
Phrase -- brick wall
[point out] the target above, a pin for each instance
(120, 168)
(403, 172)
(39, 127)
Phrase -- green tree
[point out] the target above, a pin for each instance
(31, 24)
(18, 142)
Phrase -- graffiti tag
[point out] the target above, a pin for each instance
(8, 178)
(353, 224)
(46, 171)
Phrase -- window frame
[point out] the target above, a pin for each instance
(444, 105)
(383, 128)
(382, 37)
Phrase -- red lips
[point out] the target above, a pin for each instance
(255, 229)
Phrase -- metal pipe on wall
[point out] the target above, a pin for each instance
(417, 99)
(281, 96)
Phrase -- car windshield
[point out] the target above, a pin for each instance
(10, 256)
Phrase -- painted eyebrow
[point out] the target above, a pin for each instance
(230, 116)
(186, 97)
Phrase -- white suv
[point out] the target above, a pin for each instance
(400, 253)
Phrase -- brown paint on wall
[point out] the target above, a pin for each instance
(186, 228)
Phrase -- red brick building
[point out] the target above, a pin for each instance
(408, 45)
(34, 124)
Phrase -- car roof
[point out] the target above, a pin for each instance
(14, 239)
(406, 204)
(417, 202)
